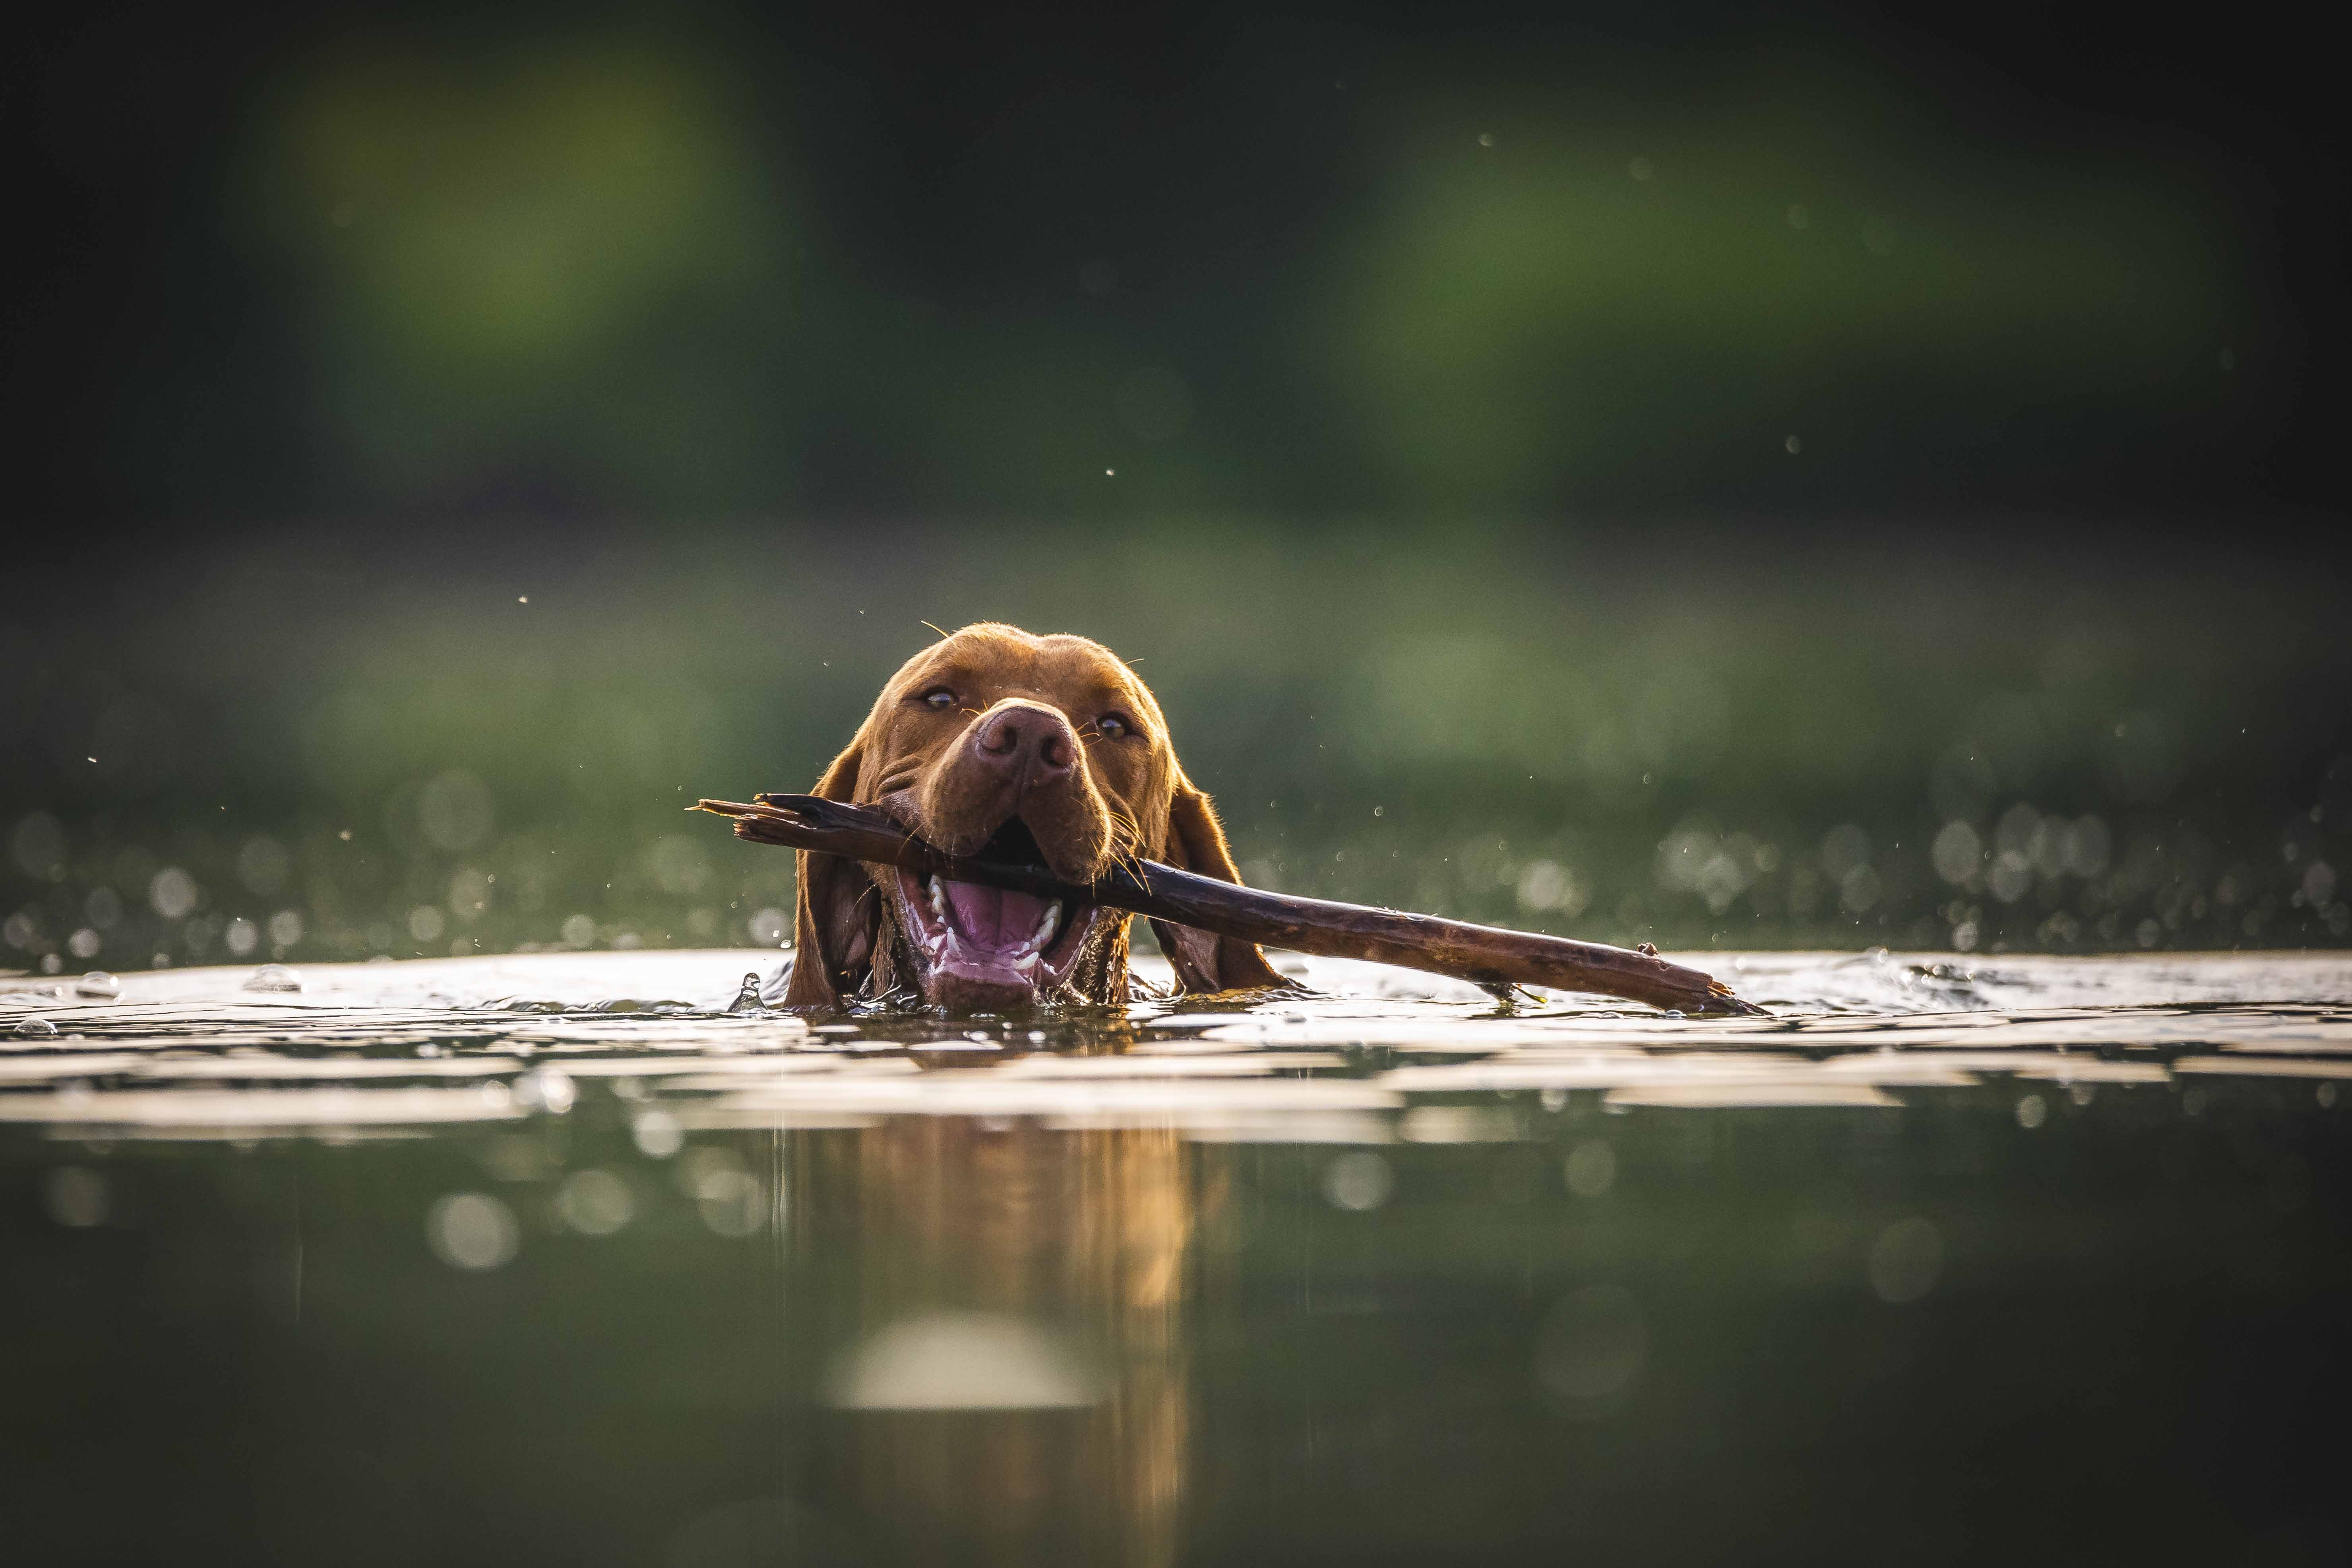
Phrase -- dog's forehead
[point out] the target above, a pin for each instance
(1061, 664)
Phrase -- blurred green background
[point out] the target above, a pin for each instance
(1631, 735)
(1702, 478)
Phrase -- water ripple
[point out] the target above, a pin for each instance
(1371, 1056)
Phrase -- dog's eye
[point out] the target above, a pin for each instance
(939, 700)
(1111, 726)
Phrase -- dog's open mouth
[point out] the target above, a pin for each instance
(981, 949)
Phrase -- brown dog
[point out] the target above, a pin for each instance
(1040, 750)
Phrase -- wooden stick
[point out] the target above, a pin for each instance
(1486, 955)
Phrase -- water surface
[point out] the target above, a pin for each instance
(591, 1258)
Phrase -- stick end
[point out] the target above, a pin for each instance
(1721, 1001)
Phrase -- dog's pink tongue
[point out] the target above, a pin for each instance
(993, 917)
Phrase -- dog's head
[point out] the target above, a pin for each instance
(998, 744)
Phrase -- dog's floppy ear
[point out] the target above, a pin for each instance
(837, 912)
(1202, 962)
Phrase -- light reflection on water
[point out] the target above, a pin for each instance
(1385, 1269)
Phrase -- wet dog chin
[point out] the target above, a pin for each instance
(990, 950)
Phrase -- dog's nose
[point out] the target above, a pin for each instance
(1030, 745)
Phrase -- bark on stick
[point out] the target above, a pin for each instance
(1486, 955)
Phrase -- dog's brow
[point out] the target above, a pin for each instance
(950, 672)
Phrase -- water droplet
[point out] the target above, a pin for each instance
(1591, 1169)
(242, 936)
(747, 996)
(545, 1089)
(657, 1134)
(171, 893)
(99, 983)
(595, 1203)
(734, 1203)
(274, 977)
(37, 1027)
(1357, 1181)
(472, 1230)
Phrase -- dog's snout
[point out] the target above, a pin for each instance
(1035, 745)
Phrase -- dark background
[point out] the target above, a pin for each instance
(1620, 443)
(934, 209)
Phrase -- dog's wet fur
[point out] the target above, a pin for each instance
(1040, 750)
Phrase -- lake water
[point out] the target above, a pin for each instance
(588, 1258)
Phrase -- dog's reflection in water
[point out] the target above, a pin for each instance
(1018, 1391)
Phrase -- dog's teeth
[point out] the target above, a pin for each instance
(938, 900)
(1047, 926)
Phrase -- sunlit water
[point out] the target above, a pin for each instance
(592, 1259)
